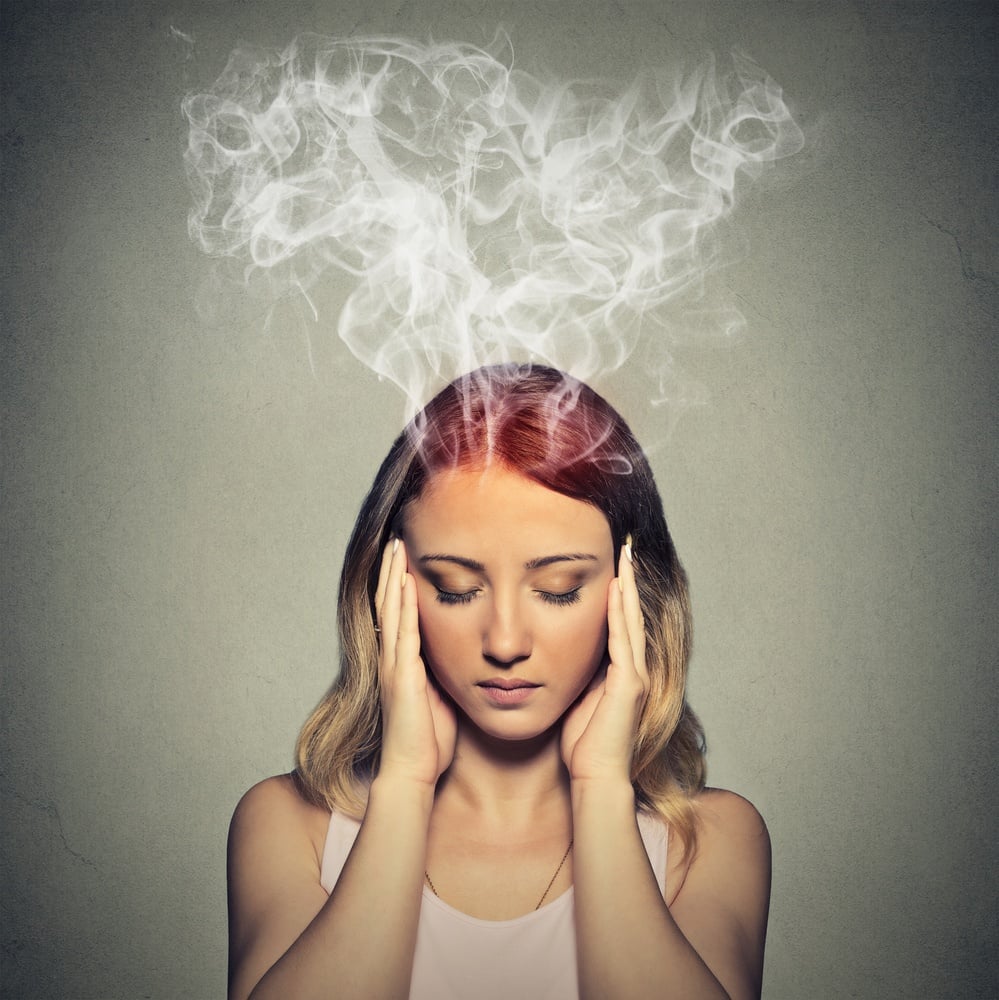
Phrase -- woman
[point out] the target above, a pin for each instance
(502, 794)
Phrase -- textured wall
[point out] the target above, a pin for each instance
(178, 490)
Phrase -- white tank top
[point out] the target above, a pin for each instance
(459, 957)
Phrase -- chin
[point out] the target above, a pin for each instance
(512, 727)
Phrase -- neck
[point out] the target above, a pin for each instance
(506, 782)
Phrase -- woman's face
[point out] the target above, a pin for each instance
(512, 583)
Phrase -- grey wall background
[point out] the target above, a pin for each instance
(178, 491)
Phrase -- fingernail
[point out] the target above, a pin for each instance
(627, 547)
(395, 543)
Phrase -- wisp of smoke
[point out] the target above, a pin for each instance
(481, 214)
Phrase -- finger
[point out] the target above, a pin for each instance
(633, 617)
(383, 572)
(593, 693)
(407, 648)
(625, 678)
(579, 716)
(618, 642)
(391, 606)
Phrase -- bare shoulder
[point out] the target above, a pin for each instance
(730, 831)
(733, 844)
(720, 899)
(727, 820)
(275, 808)
(275, 854)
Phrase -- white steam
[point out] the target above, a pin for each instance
(482, 214)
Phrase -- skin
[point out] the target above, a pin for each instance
(526, 603)
(499, 579)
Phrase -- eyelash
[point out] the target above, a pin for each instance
(449, 597)
(560, 600)
(465, 597)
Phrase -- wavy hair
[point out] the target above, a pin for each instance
(556, 431)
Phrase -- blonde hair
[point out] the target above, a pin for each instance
(558, 432)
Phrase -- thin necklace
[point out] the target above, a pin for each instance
(544, 895)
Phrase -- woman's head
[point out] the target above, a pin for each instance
(556, 432)
(538, 422)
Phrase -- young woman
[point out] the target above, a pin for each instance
(502, 795)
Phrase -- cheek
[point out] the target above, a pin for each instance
(598, 647)
(444, 630)
(586, 635)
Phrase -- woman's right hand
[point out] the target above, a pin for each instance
(418, 723)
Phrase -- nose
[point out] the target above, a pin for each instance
(507, 638)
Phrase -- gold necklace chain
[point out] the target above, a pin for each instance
(544, 895)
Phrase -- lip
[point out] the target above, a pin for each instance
(508, 690)
(508, 683)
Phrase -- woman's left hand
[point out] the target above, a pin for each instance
(598, 732)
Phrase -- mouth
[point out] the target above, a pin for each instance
(505, 692)
(507, 683)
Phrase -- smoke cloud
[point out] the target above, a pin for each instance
(482, 214)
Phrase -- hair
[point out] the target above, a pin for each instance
(555, 430)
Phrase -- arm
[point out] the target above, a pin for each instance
(709, 942)
(630, 943)
(286, 938)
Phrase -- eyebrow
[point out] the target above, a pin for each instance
(477, 567)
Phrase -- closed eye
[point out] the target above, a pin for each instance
(452, 597)
(560, 600)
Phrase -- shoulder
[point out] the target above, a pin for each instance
(274, 859)
(279, 790)
(727, 819)
(276, 809)
(729, 830)
(721, 897)
(278, 798)
(733, 844)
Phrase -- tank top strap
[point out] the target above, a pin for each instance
(655, 837)
(340, 837)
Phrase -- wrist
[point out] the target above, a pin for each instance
(602, 795)
(406, 773)
(400, 792)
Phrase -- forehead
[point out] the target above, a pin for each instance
(494, 503)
